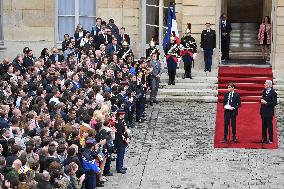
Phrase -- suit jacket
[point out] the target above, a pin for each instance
(227, 28)
(78, 39)
(267, 110)
(28, 61)
(102, 39)
(208, 39)
(110, 49)
(60, 58)
(95, 30)
(233, 102)
(156, 65)
(121, 38)
(19, 67)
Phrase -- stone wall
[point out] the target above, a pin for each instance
(279, 36)
(198, 12)
(27, 23)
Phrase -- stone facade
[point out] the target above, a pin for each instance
(32, 23)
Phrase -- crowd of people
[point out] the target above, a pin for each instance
(65, 114)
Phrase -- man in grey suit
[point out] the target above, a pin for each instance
(155, 66)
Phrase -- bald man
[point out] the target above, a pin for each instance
(268, 102)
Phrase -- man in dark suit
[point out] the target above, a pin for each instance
(96, 29)
(232, 102)
(103, 38)
(18, 64)
(226, 29)
(123, 36)
(113, 48)
(268, 102)
(28, 59)
(55, 57)
(65, 41)
(208, 44)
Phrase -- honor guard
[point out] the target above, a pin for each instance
(172, 53)
(188, 51)
(151, 50)
(125, 52)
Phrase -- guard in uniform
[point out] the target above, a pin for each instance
(125, 52)
(208, 44)
(188, 52)
(121, 140)
(151, 50)
(172, 53)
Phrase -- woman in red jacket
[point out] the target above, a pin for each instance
(264, 37)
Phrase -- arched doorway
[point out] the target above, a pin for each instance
(246, 17)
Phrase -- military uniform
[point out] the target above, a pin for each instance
(120, 141)
(151, 50)
(189, 47)
(208, 43)
(172, 53)
(124, 53)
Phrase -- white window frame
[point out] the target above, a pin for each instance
(77, 19)
(1, 24)
(144, 24)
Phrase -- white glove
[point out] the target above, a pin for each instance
(214, 49)
(194, 56)
(201, 49)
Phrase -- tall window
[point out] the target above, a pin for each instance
(154, 10)
(70, 13)
(1, 23)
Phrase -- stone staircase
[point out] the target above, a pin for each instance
(202, 88)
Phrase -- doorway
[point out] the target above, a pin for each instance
(246, 17)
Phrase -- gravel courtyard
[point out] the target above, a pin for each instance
(174, 149)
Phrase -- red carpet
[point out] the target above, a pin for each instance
(249, 84)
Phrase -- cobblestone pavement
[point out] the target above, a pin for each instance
(174, 149)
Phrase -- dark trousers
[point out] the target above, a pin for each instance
(107, 165)
(225, 46)
(267, 126)
(208, 59)
(187, 69)
(140, 107)
(120, 156)
(172, 76)
(154, 84)
(172, 68)
(90, 181)
(229, 116)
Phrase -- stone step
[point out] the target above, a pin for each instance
(188, 92)
(189, 86)
(165, 78)
(168, 98)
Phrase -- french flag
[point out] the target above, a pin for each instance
(172, 28)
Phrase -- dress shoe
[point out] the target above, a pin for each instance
(269, 142)
(124, 168)
(173, 83)
(169, 83)
(210, 70)
(235, 139)
(108, 174)
(100, 184)
(190, 77)
(122, 171)
(263, 141)
(151, 103)
(156, 102)
(183, 77)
